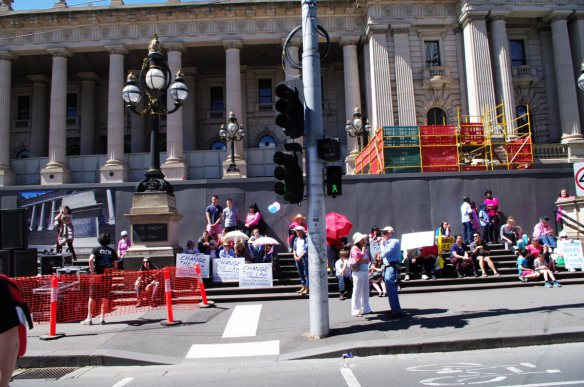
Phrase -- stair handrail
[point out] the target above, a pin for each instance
(563, 214)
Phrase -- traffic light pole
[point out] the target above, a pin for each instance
(318, 280)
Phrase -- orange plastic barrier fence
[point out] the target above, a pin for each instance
(127, 292)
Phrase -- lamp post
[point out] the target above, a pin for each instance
(581, 77)
(355, 127)
(153, 82)
(233, 132)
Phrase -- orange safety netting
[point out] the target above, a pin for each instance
(126, 292)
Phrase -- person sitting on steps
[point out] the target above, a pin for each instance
(147, 282)
(480, 253)
(460, 258)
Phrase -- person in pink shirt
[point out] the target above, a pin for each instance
(492, 204)
(544, 232)
(298, 220)
(252, 220)
(563, 196)
(123, 246)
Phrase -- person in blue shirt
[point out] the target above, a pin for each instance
(391, 255)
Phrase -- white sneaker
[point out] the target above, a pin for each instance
(572, 270)
(87, 321)
(425, 277)
(407, 278)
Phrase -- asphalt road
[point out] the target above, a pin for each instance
(552, 365)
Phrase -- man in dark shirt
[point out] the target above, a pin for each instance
(214, 214)
(101, 258)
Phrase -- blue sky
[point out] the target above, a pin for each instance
(21, 5)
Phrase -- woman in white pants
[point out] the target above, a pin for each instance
(360, 267)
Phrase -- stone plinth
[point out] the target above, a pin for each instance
(154, 231)
(241, 165)
(573, 208)
(55, 173)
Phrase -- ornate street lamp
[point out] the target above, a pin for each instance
(355, 127)
(153, 83)
(233, 132)
(581, 77)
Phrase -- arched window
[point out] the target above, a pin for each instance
(267, 141)
(23, 154)
(218, 145)
(436, 116)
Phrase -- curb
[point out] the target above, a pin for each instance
(105, 358)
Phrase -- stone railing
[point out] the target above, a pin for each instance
(550, 151)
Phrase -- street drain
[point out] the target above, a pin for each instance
(45, 373)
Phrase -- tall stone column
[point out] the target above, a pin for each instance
(38, 119)
(566, 86)
(137, 126)
(576, 27)
(6, 175)
(554, 133)
(406, 103)
(479, 76)
(88, 138)
(189, 111)
(381, 96)
(114, 170)
(352, 94)
(57, 170)
(42, 215)
(503, 72)
(174, 167)
(234, 103)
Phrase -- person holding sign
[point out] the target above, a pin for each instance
(190, 248)
(147, 282)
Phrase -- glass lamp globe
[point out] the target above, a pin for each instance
(155, 79)
(348, 127)
(222, 132)
(179, 91)
(131, 94)
(231, 127)
(357, 123)
(241, 132)
(581, 81)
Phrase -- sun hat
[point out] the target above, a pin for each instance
(387, 229)
(299, 228)
(563, 234)
(299, 216)
(124, 233)
(358, 237)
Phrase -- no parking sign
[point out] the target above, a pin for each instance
(579, 178)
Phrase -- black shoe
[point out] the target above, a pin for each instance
(460, 275)
(476, 273)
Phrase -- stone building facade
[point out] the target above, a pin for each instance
(62, 118)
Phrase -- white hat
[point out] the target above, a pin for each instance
(563, 234)
(357, 237)
(387, 229)
(124, 233)
(299, 228)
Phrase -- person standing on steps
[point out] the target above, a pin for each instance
(214, 215)
(465, 212)
(300, 251)
(492, 204)
(66, 232)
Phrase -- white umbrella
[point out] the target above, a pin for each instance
(235, 236)
(262, 241)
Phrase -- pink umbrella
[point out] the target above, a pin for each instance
(337, 225)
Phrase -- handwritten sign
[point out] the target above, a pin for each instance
(374, 248)
(185, 265)
(227, 269)
(572, 250)
(255, 275)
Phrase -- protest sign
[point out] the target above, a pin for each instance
(255, 275)
(185, 265)
(227, 269)
(572, 252)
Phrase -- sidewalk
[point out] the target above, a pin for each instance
(435, 322)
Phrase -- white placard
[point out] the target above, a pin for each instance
(374, 248)
(185, 265)
(227, 269)
(416, 240)
(256, 275)
(572, 252)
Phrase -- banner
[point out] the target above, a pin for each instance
(416, 240)
(256, 275)
(227, 269)
(572, 252)
(185, 265)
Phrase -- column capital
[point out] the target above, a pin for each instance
(116, 49)
(558, 15)
(497, 16)
(7, 55)
(88, 76)
(349, 40)
(39, 78)
(175, 46)
(232, 44)
(468, 16)
(400, 28)
(374, 27)
(577, 16)
(60, 52)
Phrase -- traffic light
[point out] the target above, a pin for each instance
(334, 183)
(289, 172)
(290, 105)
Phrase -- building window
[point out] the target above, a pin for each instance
(265, 91)
(432, 53)
(267, 141)
(72, 106)
(524, 121)
(218, 145)
(217, 104)
(517, 48)
(23, 154)
(436, 116)
(23, 108)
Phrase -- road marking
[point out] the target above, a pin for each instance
(123, 382)
(349, 377)
(258, 348)
(549, 384)
(243, 321)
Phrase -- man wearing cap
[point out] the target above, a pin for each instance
(123, 246)
(391, 254)
(544, 232)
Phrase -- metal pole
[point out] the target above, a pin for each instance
(318, 280)
(232, 152)
(154, 146)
